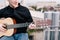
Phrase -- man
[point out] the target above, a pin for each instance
(21, 15)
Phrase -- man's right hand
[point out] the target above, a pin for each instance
(2, 29)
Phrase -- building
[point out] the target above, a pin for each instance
(52, 32)
(46, 4)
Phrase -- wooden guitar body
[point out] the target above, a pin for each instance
(9, 32)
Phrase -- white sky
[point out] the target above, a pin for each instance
(31, 1)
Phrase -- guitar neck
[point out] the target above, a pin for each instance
(18, 25)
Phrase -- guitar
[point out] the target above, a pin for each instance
(10, 26)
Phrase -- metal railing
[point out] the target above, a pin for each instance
(52, 32)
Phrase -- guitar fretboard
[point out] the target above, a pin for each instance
(18, 25)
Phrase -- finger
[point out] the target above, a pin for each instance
(4, 26)
(2, 29)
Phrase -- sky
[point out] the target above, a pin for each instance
(31, 1)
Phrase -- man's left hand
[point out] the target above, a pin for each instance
(32, 26)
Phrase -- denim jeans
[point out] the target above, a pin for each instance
(21, 36)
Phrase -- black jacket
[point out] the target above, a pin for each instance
(20, 14)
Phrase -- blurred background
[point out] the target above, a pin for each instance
(46, 16)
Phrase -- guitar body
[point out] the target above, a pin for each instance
(7, 21)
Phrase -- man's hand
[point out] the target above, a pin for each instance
(32, 26)
(2, 29)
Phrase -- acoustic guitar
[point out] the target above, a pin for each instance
(10, 26)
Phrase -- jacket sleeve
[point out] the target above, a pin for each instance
(1, 13)
(29, 17)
